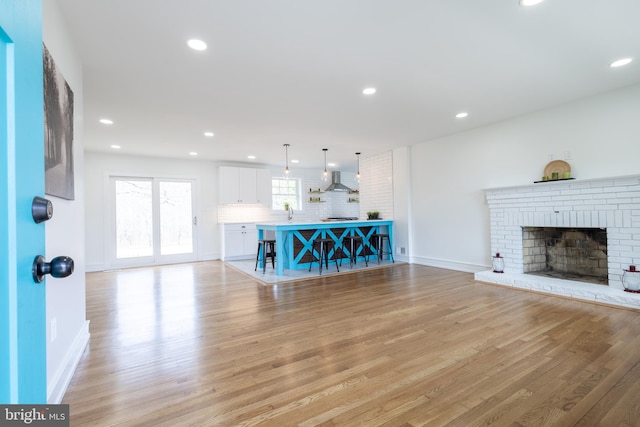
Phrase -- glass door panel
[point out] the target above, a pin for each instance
(134, 218)
(176, 218)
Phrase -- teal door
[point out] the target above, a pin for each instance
(23, 376)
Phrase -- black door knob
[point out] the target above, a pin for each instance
(61, 266)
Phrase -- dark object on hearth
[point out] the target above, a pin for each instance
(498, 263)
(631, 280)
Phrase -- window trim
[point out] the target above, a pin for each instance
(298, 196)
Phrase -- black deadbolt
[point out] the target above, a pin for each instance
(41, 209)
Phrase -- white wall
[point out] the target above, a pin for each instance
(597, 136)
(99, 166)
(402, 186)
(65, 231)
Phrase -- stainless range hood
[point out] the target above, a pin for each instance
(336, 185)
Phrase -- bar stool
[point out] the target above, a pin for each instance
(266, 248)
(378, 242)
(323, 246)
(354, 243)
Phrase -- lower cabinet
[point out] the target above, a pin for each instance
(240, 241)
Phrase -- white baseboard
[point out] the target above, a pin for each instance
(57, 387)
(210, 256)
(90, 268)
(448, 264)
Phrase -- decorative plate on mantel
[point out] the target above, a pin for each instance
(559, 166)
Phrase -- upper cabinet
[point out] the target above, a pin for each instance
(264, 187)
(245, 186)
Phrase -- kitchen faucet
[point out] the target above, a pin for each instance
(290, 213)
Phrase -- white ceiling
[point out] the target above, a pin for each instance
(292, 71)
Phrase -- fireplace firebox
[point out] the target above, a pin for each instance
(566, 253)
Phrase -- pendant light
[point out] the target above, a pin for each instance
(286, 155)
(325, 173)
(358, 172)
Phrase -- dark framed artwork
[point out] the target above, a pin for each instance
(58, 131)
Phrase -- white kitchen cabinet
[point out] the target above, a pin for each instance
(240, 241)
(248, 191)
(244, 186)
(265, 194)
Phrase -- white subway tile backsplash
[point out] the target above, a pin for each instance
(377, 189)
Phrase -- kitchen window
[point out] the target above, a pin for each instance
(285, 191)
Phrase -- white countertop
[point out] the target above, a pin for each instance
(323, 223)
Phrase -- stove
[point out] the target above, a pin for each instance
(343, 218)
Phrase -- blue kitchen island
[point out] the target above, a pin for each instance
(294, 239)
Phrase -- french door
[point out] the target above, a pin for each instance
(153, 221)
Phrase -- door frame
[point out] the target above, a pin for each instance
(111, 262)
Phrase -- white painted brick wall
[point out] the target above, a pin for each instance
(611, 203)
(376, 185)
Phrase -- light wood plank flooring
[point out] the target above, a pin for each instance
(204, 345)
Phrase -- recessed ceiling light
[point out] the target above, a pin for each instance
(331, 164)
(369, 91)
(196, 44)
(620, 62)
(251, 157)
(117, 147)
(209, 134)
(295, 161)
(462, 115)
(530, 2)
(193, 153)
(106, 121)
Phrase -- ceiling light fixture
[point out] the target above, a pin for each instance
(369, 91)
(530, 2)
(208, 134)
(106, 121)
(251, 156)
(462, 115)
(196, 44)
(358, 172)
(295, 161)
(325, 173)
(620, 62)
(115, 147)
(193, 153)
(286, 156)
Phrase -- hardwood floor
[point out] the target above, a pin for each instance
(204, 345)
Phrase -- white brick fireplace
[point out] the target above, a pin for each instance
(612, 204)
